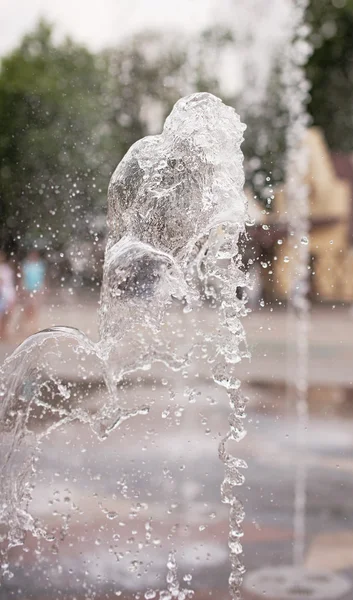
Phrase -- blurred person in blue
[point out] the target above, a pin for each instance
(7, 295)
(33, 272)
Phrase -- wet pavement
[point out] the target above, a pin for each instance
(268, 332)
(115, 508)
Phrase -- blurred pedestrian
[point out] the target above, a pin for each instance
(7, 295)
(33, 272)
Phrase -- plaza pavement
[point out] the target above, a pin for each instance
(267, 329)
(163, 470)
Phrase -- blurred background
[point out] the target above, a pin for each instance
(79, 86)
(80, 82)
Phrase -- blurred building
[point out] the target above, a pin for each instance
(330, 181)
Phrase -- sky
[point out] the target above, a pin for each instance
(102, 22)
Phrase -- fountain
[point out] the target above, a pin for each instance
(176, 210)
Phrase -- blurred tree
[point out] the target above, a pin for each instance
(146, 76)
(67, 117)
(264, 145)
(210, 48)
(330, 73)
(49, 170)
(330, 70)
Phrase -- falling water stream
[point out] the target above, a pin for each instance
(176, 208)
(296, 89)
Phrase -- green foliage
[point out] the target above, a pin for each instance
(47, 99)
(330, 73)
(264, 146)
(67, 119)
(330, 70)
(144, 78)
(68, 116)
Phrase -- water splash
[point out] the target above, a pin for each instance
(170, 193)
(223, 264)
(173, 587)
(176, 209)
(23, 387)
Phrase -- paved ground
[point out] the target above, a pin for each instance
(117, 507)
(331, 339)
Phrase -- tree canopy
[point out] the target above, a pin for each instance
(68, 115)
(47, 107)
(330, 70)
(67, 118)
